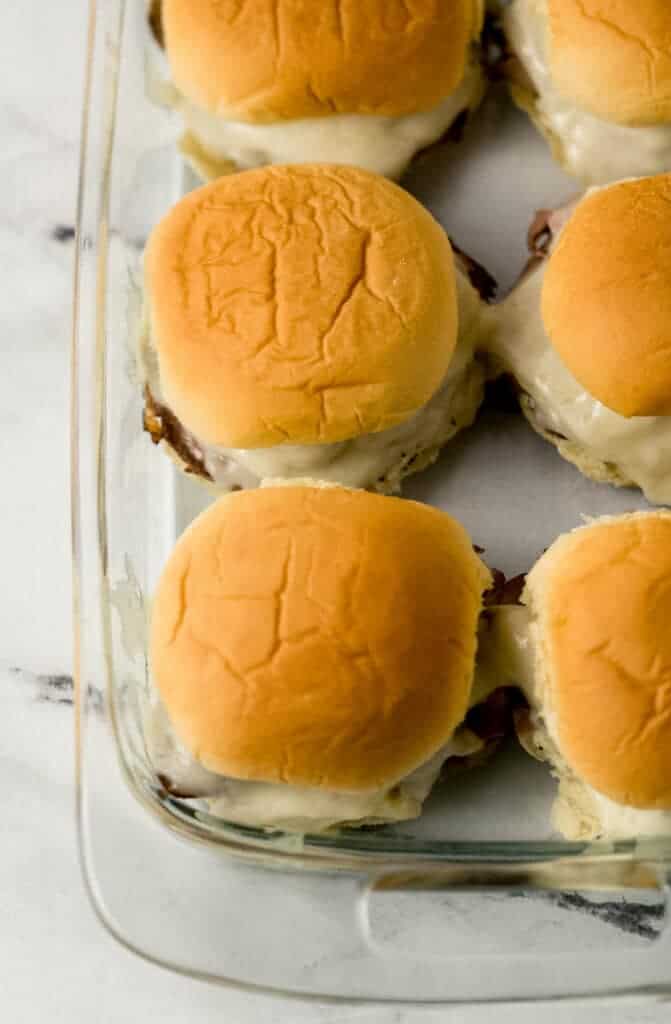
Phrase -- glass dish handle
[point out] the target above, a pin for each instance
(417, 913)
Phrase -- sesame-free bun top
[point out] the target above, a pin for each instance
(274, 60)
(601, 598)
(613, 57)
(606, 299)
(307, 304)
(317, 636)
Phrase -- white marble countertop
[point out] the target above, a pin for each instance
(58, 963)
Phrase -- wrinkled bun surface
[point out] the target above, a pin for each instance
(317, 636)
(613, 57)
(602, 599)
(309, 304)
(272, 60)
(606, 299)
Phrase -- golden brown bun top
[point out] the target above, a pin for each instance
(613, 57)
(603, 596)
(317, 636)
(274, 60)
(309, 304)
(606, 297)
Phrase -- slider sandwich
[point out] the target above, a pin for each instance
(313, 653)
(595, 76)
(310, 320)
(586, 334)
(283, 81)
(592, 651)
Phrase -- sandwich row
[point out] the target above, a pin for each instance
(370, 84)
(322, 655)
(314, 320)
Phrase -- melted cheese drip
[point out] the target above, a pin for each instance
(370, 458)
(638, 448)
(381, 144)
(593, 150)
(505, 652)
(294, 808)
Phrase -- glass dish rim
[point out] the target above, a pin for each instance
(240, 839)
(360, 853)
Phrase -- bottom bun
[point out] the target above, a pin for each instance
(581, 458)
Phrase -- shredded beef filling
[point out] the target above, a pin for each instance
(493, 719)
(540, 234)
(155, 20)
(162, 425)
(502, 590)
(483, 282)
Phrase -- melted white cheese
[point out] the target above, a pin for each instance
(369, 459)
(638, 448)
(594, 150)
(366, 460)
(294, 808)
(506, 654)
(381, 144)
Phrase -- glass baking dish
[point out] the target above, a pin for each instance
(475, 901)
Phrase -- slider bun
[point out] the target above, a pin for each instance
(274, 60)
(613, 57)
(606, 299)
(601, 601)
(308, 304)
(317, 636)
